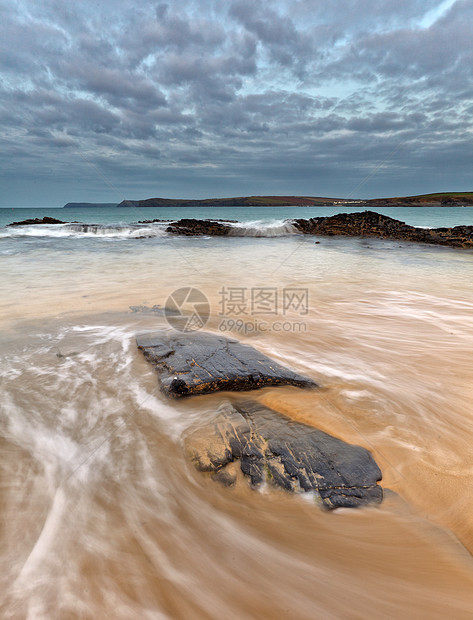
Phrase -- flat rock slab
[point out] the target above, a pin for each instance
(202, 363)
(270, 447)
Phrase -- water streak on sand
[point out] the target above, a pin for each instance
(103, 515)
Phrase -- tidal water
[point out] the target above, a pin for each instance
(102, 515)
(431, 217)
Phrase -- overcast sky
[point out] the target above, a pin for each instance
(106, 100)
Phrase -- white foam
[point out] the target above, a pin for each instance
(42, 230)
(45, 540)
(130, 231)
(80, 230)
(251, 228)
(262, 228)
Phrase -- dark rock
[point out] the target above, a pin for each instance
(44, 220)
(192, 227)
(273, 448)
(372, 224)
(363, 224)
(201, 363)
(155, 221)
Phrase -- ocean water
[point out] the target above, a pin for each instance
(429, 216)
(101, 512)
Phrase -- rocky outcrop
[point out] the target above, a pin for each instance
(44, 220)
(269, 447)
(353, 224)
(190, 227)
(201, 363)
(371, 224)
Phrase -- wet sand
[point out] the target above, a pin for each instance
(102, 514)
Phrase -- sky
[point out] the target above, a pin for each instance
(106, 100)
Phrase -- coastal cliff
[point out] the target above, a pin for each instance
(446, 199)
(239, 201)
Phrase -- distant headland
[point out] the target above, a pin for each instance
(444, 199)
(447, 199)
(76, 205)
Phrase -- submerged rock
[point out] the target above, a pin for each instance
(201, 363)
(270, 447)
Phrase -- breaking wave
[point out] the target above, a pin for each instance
(78, 229)
(252, 228)
(133, 231)
(263, 228)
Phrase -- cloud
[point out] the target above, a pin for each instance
(284, 43)
(279, 96)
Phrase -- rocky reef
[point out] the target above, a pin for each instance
(372, 224)
(363, 224)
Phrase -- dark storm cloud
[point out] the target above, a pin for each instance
(206, 98)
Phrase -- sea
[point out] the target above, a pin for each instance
(102, 513)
